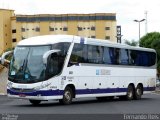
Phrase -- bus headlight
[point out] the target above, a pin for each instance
(9, 85)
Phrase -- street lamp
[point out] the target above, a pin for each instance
(139, 21)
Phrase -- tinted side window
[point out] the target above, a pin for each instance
(56, 60)
(124, 58)
(117, 56)
(106, 56)
(95, 54)
(152, 58)
(79, 54)
(112, 54)
(90, 54)
(63, 47)
(133, 57)
(142, 58)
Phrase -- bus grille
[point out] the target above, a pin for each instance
(22, 90)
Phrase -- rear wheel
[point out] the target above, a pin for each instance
(138, 92)
(67, 96)
(35, 102)
(130, 93)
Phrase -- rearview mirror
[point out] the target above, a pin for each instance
(2, 59)
(46, 54)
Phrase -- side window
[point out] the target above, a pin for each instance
(142, 58)
(124, 59)
(106, 56)
(152, 58)
(78, 55)
(95, 54)
(62, 54)
(54, 66)
(133, 57)
(99, 50)
(111, 55)
(63, 47)
(147, 58)
(117, 56)
(90, 54)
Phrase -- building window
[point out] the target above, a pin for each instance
(93, 36)
(14, 31)
(79, 28)
(60, 28)
(51, 29)
(14, 40)
(37, 29)
(56, 29)
(107, 37)
(23, 29)
(107, 28)
(93, 28)
(65, 29)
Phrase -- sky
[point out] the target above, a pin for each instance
(126, 11)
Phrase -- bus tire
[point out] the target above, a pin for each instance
(35, 102)
(130, 93)
(67, 96)
(138, 92)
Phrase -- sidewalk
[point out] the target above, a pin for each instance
(3, 81)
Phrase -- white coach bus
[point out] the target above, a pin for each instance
(63, 67)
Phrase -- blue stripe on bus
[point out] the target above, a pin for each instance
(78, 92)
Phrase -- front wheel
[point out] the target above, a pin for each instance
(67, 96)
(35, 102)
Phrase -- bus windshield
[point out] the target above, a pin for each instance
(27, 65)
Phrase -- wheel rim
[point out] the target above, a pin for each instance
(130, 93)
(67, 96)
(138, 91)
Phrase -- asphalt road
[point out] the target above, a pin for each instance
(149, 104)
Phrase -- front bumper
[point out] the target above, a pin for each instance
(36, 95)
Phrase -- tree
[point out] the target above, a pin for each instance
(147, 40)
(131, 43)
(152, 40)
(156, 45)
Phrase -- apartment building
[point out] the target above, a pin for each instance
(14, 28)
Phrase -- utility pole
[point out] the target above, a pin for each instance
(146, 27)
